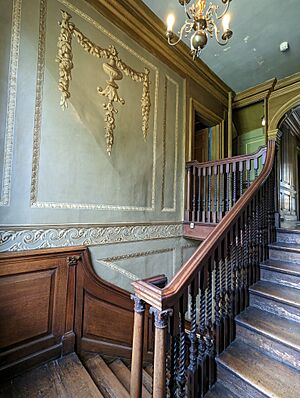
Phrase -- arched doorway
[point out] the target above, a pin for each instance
(289, 168)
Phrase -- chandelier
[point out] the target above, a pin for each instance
(202, 21)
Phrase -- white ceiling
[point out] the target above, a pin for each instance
(253, 54)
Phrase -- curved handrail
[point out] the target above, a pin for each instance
(166, 297)
(233, 159)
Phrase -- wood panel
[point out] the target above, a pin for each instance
(51, 298)
(104, 316)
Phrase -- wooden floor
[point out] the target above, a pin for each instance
(92, 376)
(65, 377)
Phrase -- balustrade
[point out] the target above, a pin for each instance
(194, 313)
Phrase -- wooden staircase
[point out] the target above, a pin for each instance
(70, 377)
(264, 360)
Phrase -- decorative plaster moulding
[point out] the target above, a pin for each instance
(16, 238)
(11, 103)
(35, 203)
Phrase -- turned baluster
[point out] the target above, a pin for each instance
(245, 258)
(241, 170)
(231, 284)
(248, 168)
(209, 336)
(204, 202)
(137, 348)
(199, 195)
(188, 194)
(202, 362)
(221, 203)
(256, 166)
(192, 368)
(161, 319)
(194, 198)
(209, 195)
(215, 197)
(234, 182)
(181, 376)
(218, 305)
(228, 188)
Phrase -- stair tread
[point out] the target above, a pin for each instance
(292, 247)
(284, 294)
(281, 329)
(65, 377)
(282, 266)
(267, 375)
(123, 374)
(220, 391)
(107, 382)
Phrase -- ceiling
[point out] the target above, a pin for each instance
(253, 54)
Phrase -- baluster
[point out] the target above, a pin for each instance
(234, 182)
(202, 358)
(161, 319)
(209, 195)
(188, 195)
(231, 284)
(172, 386)
(199, 195)
(240, 266)
(241, 169)
(215, 194)
(221, 203)
(192, 368)
(248, 168)
(204, 195)
(251, 222)
(227, 170)
(194, 198)
(245, 258)
(224, 292)
(256, 165)
(236, 269)
(209, 337)
(181, 376)
(218, 303)
(137, 348)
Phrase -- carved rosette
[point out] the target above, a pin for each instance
(114, 69)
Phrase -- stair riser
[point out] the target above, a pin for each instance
(237, 385)
(284, 255)
(267, 345)
(287, 237)
(275, 307)
(280, 277)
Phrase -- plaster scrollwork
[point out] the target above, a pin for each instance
(115, 68)
(15, 239)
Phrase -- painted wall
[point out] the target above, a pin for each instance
(59, 187)
(248, 124)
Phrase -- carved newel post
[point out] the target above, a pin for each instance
(161, 320)
(137, 348)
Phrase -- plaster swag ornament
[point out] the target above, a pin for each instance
(114, 68)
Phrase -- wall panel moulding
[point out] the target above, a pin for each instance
(134, 16)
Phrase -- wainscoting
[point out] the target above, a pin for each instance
(52, 303)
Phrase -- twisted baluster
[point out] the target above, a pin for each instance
(181, 377)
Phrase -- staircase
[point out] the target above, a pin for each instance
(264, 360)
(69, 377)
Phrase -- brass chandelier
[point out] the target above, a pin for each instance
(203, 22)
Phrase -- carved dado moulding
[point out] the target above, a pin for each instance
(15, 239)
(114, 68)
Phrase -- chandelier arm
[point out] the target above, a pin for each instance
(213, 9)
(217, 32)
(187, 27)
(186, 10)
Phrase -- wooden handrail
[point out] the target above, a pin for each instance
(166, 297)
(234, 159)
(213, 285)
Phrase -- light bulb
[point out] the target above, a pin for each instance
(170, 22)
(226, 21)
(263, 121)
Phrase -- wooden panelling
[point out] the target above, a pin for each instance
(51, 298)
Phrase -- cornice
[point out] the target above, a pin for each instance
(254, 94)
(137, 20)
(287, 81)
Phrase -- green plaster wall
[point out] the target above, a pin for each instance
(251, 134)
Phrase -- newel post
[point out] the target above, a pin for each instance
(137, 348)
(161, 320)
